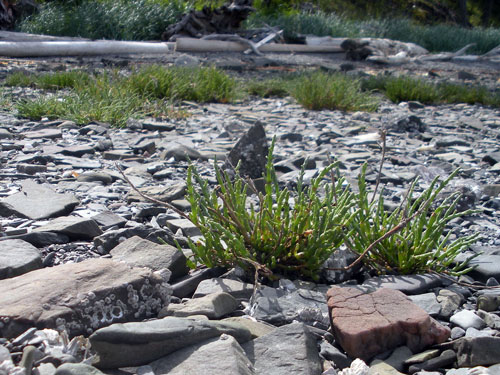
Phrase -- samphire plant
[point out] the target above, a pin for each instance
(294, 232)
(293, 239)
(417, 243)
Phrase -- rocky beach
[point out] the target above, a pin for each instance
(91, 280)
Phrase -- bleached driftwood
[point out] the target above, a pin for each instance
(82, 48)
(199, 45)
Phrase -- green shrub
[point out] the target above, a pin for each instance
(332, 91)
(292, 239)
(418, 247)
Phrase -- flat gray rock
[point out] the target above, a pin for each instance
(205, 358)
(108, 219)
(138, 252)
(18, 257)
(235, 288)
(37, 202)
(136, 344)
(277, 307)
(408, 284)
(167, 193)
(213, 306)
(80, 297)
(76, 228)
(427, 302)
(43, 133)
(290, 349)
(112, 238)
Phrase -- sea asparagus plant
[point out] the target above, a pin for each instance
(287, 232)
(419, 244)
(293, 232)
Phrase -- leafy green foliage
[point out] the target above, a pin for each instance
(421, 245)
(293, 239)
(332, 91)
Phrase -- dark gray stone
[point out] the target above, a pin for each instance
(76, 228)
(251, 150)
(109, 219)
(332, 354)
(135, 344)
(103, 177)
(216, 356)
(445, 360)
(477, 351)
(18, 257)
(110, 239)
(290, 349)
(180, 152)
(37, 202)
(138, 252)
(77, 369)
(39, 239)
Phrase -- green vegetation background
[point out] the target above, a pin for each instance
(436, 25)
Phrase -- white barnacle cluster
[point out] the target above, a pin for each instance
(127, 301)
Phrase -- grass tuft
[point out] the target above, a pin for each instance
(114, 98)
(404, 88)
(320, 90)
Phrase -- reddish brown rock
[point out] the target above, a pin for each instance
(368, 324)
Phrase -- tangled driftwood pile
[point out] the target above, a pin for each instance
(224, 20)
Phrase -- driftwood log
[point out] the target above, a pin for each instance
(224, 20)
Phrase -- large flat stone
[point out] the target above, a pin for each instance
(37, 202)
(75, 227)
(290, 349)
(138, 252)
(18, 257)
(80, 297)
(366, 324)
(136, 344)
(205, 358)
